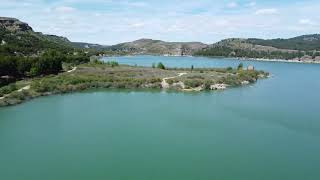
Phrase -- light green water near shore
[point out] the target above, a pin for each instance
(270, 130)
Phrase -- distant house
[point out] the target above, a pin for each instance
(250, 68)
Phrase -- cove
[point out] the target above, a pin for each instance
(269, 130)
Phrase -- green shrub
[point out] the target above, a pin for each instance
(161, 66)
(172, 81)
(19, 95)
(154, 80)
(240, 66)
(196, 77)
(112, 63)
(193, 83)
(7, 89)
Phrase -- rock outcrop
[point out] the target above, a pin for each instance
(218, 87)
(14, 25)
(317, 59)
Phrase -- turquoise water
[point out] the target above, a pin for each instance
(270, 130)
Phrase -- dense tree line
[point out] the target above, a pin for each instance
(48, 63)
(30, 54)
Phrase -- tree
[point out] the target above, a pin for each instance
(161, 66)
(47, 64)
(8, 66)
(24, 65)
(113, 63)
(300, 54)
(240, 66)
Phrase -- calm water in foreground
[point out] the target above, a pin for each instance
(270, 130)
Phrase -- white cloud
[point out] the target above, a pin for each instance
(222, 23)
(270, 11)
(115, 21)
(251, 4)
(137, 25)
(307, 22)
(232, 5)
(175, 28)
(137, 4)
(64, 9)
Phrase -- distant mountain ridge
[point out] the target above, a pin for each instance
(89, 45)
(301, 48)
(300, 43)
(303, 43)
(17, 37)
(158, 47)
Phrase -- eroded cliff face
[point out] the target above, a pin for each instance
(14, 25)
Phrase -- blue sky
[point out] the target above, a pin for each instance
(115, 21)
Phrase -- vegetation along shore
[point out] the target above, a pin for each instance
(111, 75)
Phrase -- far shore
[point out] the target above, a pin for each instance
(237, 58)
(280, 60)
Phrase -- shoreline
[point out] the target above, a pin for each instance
(221, 57)
(93, 89)
(104, 76)
(278, 60)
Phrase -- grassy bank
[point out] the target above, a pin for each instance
(114, 76)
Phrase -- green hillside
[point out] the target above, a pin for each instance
(157, 47)
(302, 48)
(303, 43)
(30, 43)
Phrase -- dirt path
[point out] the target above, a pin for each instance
(24, 88)
(19, 90)
(166, 85)
(73, 69)
(28, 86)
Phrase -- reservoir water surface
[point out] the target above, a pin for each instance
(268, 130)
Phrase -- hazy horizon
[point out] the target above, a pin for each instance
(111, 22)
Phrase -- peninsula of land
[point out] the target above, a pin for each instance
(111, 75)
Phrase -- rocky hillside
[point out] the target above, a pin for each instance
(157, 47)
(14, 25)
(18, 38)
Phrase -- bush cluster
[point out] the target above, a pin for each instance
(7, 89)
(48, 63)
